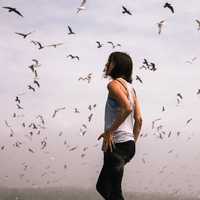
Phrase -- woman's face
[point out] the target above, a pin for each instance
(108, 68)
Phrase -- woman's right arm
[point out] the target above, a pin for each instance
(138, 119)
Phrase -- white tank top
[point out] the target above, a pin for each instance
(125, 131)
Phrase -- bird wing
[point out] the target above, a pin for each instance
(70, 30)
(20, 34)
(17, 12)
(83, 3)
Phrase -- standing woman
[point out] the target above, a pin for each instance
(123, 122)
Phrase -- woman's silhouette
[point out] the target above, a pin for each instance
(123, 123)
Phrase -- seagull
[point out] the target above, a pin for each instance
(139, 79)
(198, 22)
(7, 124)
(54, 45)
(70, 30)
(198, 91)
(99, 44)
(145, 62)
(41, 118)
(10, 9)
(179, 95)
(57, 110)
(113, 46)
(90, 117)
(31, 88)
(24, 35)
(126, 11)
(153, 66)
(81, 7)
(191, 61)
(17, 99)
(160, 24)
(76, 110)
(163, 109)
(36, 62)
(168, 5)
(73, 57)
(37, 83)
(40, 45)
(19, 107)
(31, 150)
(189, 120)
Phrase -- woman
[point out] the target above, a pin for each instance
(123, 123)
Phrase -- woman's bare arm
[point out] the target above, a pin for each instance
(125, 109)
(138, 120)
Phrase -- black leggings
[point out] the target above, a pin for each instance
(110, 178)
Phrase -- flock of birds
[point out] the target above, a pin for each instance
(35, 127)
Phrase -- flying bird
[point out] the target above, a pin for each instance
(191, 61)
(82, 6)
(168, 5)
(180, 95)
(31, 88)
(126, 11)
(54, 45)
(160, 25)
(17, 99)
(139, 79)
(57, 110)
(198, 22)
(189, 120)
(113, 45)
(10, 9)
(198, 91)
(73, 57)
(90, 117)
(36, 82)
(99, 44)
(24, 35)
(19, 107)
(70, 30)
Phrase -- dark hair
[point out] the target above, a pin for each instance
(122, 66)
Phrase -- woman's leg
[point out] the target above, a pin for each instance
(103, 185)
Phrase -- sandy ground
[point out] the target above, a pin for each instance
(77, 194)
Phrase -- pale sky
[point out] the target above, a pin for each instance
(167, 165)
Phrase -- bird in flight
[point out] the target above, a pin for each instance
(168, 5)
(57, 110)
(10, 9)
(180, 95)
(99, 44)
(126, 11)
(17, 99)
(31, 88)
(189, 120)
(72, 57)
(54, 45)
(113, 45)
(70, 30)
(82, 6)
(24, 35)
(191, 61)
(139, 79)
(160, 25)
(198, 22)
(36, 82)
(198, 91)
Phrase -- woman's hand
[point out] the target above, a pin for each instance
(107, 140)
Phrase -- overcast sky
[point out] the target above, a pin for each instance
(172, 163)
